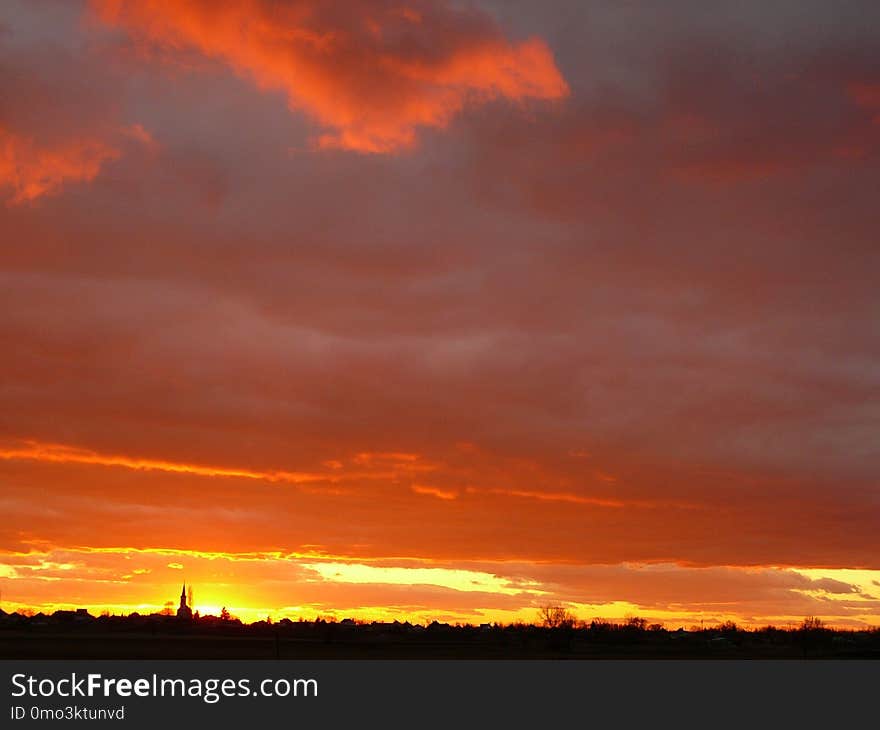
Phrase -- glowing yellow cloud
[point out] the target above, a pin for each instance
(459, 580)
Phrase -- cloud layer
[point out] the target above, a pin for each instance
(605, 298)
(31, 171)
(254, 585)
(370, 73)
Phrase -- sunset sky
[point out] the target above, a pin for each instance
(441, 309)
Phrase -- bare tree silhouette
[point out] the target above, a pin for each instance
(556, 617)
(812, 623)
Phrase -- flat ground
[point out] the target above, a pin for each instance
(24, 645)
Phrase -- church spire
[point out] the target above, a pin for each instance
(185, 611)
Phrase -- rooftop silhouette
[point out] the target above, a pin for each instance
(79, 634)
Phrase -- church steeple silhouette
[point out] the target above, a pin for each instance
(184, 612)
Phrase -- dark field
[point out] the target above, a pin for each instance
(402, 641)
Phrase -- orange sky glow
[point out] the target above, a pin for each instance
(429, 310)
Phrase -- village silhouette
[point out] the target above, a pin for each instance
(556, 634)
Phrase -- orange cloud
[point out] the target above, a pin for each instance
(560, 497)
(139, 134)
(32, 171)
(61, 454)
(370, 74)
(379, 466)
(429, 491)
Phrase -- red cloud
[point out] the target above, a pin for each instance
(867, 97)
(32, 171)
(370, 73)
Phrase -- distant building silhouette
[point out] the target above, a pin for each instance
(184, 611)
